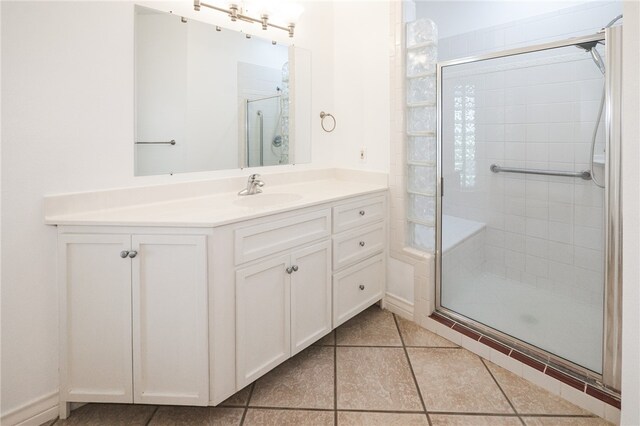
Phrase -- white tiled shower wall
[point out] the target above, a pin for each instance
(547, 232)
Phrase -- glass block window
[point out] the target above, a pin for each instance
(421, 116)
(464, 104)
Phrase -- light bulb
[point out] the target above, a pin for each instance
(292, 12)
(258, 8)
(287, 13)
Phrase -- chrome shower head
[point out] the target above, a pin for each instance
(590, 47)
(587, 46)
(598, 60)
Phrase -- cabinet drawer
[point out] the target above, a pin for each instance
(362, 212)
(273, 236)
(357, 288)
(353, 246)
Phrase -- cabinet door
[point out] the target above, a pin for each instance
(310, 295)
(262, 318)
(170, 334)
(95, 318)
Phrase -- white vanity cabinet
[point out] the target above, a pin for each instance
(189, 315)
(95, 318)
(283, 305)
(359, 241)
(260, 314)
(283, 301)
(133, 323)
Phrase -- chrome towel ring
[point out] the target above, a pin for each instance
(324, 115)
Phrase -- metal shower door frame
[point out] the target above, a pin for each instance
(610, 377)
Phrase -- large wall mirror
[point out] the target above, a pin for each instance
(209, 98)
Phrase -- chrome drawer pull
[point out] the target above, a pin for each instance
(289, 270)
(295, 268)
(361, 286)
(124, 254)
(361, 243)
(133, 254)
(361, 212)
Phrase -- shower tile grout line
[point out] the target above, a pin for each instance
(413, 374)
(501, 390)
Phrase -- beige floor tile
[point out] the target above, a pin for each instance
(328, 340)
(414, 335)
(304, 381)
(375, 379)
(450, 420)
(455, 380)
(565, 421)
(352, 418)
(528, 398)
(109, 415)
(373, 327)
(193, 416)
(239, 399)
(264, 417)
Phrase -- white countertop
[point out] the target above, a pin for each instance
(220, 208)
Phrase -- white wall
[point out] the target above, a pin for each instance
(67, 126)
(362, 84)
(631, 216)
(457, 17)
(585, 18)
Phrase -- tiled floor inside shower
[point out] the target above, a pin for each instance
(558, 323)
(377, 369)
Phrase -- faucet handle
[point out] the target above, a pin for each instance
(254, 177)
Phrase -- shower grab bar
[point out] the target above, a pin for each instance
(586, 175)
(171, 142)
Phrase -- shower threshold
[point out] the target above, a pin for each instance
(553, 366)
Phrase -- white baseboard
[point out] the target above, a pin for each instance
(398, 306)
(33, 413)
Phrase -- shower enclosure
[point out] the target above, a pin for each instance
(266, 132)
(528, 245)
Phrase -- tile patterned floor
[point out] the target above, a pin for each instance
(377, 369)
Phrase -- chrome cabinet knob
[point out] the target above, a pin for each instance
(361, 286)
(361, 212)
(133, 254)
(295, 268)
(124, 254)
(361, 243)
(289, 270)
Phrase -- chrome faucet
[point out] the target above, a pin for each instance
(254, 183)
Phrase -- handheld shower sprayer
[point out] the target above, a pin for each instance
(591, 47)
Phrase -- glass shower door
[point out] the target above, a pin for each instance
(523, 211)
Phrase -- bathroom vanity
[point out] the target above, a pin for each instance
(187, 301)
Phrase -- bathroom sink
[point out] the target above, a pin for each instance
(265, 200)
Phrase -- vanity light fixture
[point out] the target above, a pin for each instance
(236, 12)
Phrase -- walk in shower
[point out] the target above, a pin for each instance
(528, 200)
(266, 131)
